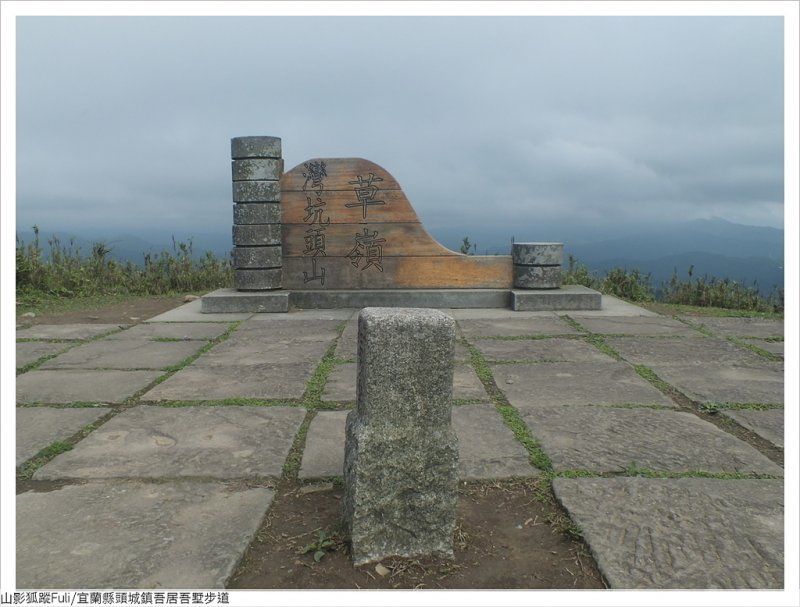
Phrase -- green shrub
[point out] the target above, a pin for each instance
(720, 293)
(628, 284)
(578, 274)
(68, 273)
(704, 292)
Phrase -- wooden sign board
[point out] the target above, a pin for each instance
(348, 225)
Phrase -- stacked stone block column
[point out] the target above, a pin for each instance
(401, 453)
(537, 265)
(257, 167)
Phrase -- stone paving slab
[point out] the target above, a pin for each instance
(768, 424)
(692, 533)
(636, 325)
(341, 384)
(682, 351)
(68, 332)
(190, 312)
(323, 455)
(30, 351)
(296, 330)
(123, 534)
(515, 327)
(173, 330)
(75, 385)
(249, 352)
(740, 327)
(169, 442)
(552, 349)
(124, 354)
(337, 314)
(466, 384)
(265, 381)
(608, 439)
(608, 383)
(38, 427)
(460, 314)
(724, 383)
(613, 306)
(487, 447)
(347, 346)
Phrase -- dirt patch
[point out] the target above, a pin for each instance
(503, 540)
(130, 311)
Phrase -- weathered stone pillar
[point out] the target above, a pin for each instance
(537, 265)
(257, 167)
(401, 453)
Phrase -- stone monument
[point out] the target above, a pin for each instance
(340, 232)
(401, 453)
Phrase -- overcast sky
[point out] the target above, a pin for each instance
(125, 122)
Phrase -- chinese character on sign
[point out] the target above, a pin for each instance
(369, 247)
(365, 193)
(320, 277)
(315, 173)
(314, 210)
(315, 242)
(315, 237)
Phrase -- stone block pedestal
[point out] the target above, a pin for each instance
(401, 453)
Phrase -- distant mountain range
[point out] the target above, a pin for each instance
(717, 248)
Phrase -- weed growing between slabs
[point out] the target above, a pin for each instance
(26, 471)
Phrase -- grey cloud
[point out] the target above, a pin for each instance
(602, 118)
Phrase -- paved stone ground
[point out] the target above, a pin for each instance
(663, 437)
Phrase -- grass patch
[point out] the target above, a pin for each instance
(716, 407)
(599, 342)
(48, 277)
(172, 369)
(226, 402)
(574, 323)
(674, 309)
(577, 474)
(648, 374)
(511, 416)
(41, 303)
(536, 454)
(532, 337)
(700, 328)
(39, 362)
(54, 449)
(41, 458)
(755, 349)
(557, 517)
(636, 471)
(312, 398)
(81, 404)
(292, 464)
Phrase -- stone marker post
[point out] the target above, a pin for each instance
(257, 167)
(537, 265)
(401, 453)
